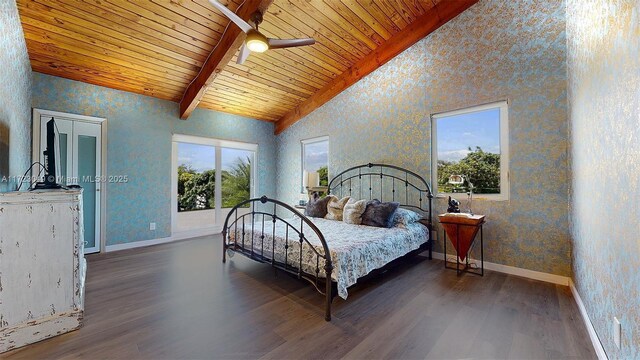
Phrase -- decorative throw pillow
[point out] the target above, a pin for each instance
(353, 211)
(335, 208)
(317, 207)
(379, 214)
(405, 217)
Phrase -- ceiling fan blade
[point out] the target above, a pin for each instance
(244, 54)
(287, 43)
(232, 16)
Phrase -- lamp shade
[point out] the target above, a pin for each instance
(310, 179)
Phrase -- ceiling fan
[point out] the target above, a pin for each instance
(256, 41)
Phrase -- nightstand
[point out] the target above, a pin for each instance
(462, 230)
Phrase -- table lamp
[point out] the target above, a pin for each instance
(458, 180)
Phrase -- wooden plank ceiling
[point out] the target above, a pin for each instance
(157, 47)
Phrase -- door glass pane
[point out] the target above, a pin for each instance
(236, 176)
(62, 160)
(196, 186)
(86, 179)
(196, 177)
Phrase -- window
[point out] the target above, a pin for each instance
(236, 176)
(471, 150)
(196, 177)
(210, 177)
(315, 160)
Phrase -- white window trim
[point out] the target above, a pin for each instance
(307, 142)
(504, 149)
(218, 144)
(214, 142)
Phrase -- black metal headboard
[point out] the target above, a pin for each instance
(386, 183)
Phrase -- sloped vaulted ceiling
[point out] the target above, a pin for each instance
(158, 47)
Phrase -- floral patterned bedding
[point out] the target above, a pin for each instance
(355, 250)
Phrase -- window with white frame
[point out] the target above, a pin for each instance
(315, 162)
(471, 151)
(210, 176)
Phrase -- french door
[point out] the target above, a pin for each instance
(79, 153)
(210, 176)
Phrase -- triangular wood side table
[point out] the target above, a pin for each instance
(462, 230)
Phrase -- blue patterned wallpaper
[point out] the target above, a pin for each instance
(496, 50)
(604, 119)
(139, 146)
(15, 97)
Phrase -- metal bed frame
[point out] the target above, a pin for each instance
(392, 181)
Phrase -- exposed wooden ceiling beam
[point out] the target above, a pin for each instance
(437, 16)
(226, 48)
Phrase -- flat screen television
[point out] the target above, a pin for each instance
(50, 173)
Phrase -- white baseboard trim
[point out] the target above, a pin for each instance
(174, 237)
(595, 340)
(137, 244)
(181, 235)
(530, 274)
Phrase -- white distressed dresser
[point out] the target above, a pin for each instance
(42, 265)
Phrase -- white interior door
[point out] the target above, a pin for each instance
(87, 171)
(79, 157)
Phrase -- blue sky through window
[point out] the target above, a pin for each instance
(316, 155)
(458, 133)
(230, 157)
(203, 157)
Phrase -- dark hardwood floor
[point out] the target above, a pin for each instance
(178, 301)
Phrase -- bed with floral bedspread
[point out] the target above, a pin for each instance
(356, 250)
(331, 254)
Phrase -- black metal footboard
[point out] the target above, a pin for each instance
(257, 228)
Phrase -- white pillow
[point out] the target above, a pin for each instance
(353, 210)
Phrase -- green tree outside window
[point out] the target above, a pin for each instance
(480, 167)
(196, 190)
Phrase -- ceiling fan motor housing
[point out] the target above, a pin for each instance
(256, 18)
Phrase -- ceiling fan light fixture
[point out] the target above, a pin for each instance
(257, 42)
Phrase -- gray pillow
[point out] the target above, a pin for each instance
(318, 207)
(405, 217)
(379, 214)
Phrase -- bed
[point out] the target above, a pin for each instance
(333, 255)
